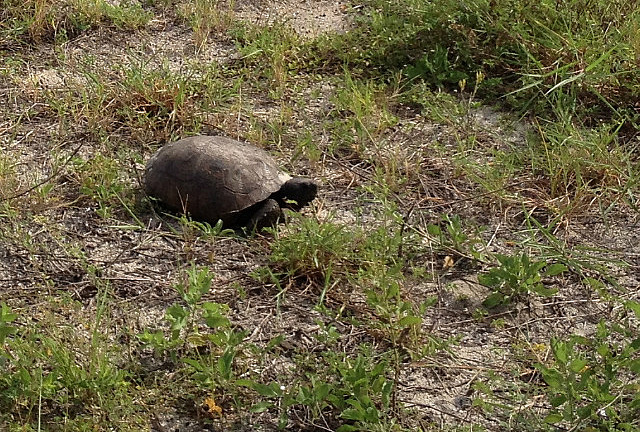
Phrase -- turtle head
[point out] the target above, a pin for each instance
(302, 190)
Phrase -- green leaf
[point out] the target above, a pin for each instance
(215, 315)
(377, 370)
(177, 315)
(244, 382)
(271, 390)
(261, 407)
(409, 321)
(505, 260)
(225, 362)
(560, 350)
(585, 412)
(603, 350)
(545, 292)
(493, 300)
(216, 321)
(488, 280)
(5, 314)
(633, 306)
(595, 284)
(387, 389)
(577, 365)
(434, 230)
(353, 414)
(553, 418)
(348, 428)
(558, 400)
(553, 378)
(321, 391)
(555, 269)
(5, 331)
(274, 342)
(195, 364)
(267, 390)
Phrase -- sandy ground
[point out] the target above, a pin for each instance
(141, 266)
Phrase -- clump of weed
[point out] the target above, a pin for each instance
(324, 252)
(35, 20)
(275, 53)
(53, 372)
(315, 249)
(149, 104)
(207, 17)
(528, 50)
(593, 381)
(362, 113)
(517, 276)
(151, 101)
(101, 179)
(584, 166)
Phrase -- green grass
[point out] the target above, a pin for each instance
(528, 52)
(39, 20)
(206, 17)
(473, 237)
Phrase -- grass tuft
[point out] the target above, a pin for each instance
(33, 21)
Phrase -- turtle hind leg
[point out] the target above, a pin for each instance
(264, 214)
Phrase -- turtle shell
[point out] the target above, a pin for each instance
(212, 177)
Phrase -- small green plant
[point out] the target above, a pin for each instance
(183, 320)
(455, 239)
(364, 394)
(593, 381)
(396, 318)
(205, 18)
(191, 228)
(274, 51)
(187, 339)
(6, 317)
(436, 68)
(362, 112)
(101, 180)
(358, 389)
(516, 276)
(50, 372)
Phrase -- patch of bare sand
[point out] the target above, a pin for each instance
(308, 18)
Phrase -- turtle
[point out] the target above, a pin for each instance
(214, 178)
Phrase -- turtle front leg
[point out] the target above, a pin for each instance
(266, 214)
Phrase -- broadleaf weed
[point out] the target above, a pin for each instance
(516, 276)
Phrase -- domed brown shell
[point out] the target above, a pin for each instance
(212, 177)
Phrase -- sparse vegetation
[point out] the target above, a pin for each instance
(469, 265)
